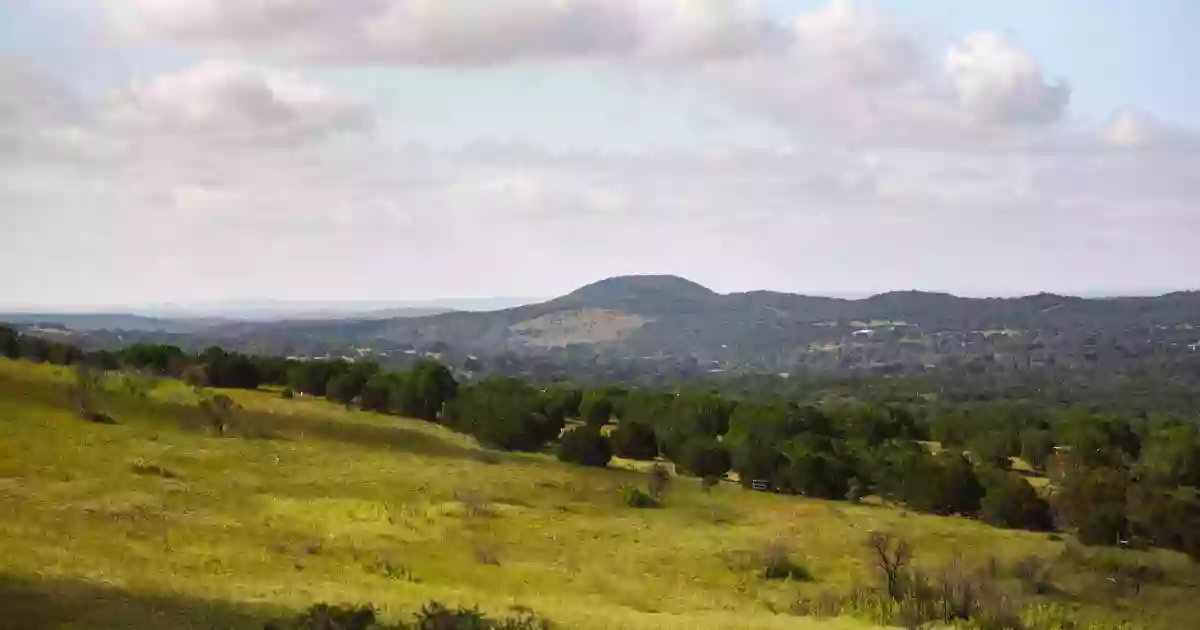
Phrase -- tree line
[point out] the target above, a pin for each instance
(1113, 479)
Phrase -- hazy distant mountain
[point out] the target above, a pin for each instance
(268, 310)
(86, 322)
(193, 318)
(666, 316)
(671, 319)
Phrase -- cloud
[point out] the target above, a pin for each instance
(858, 41)
(998, 82)
(233, 102)
(847, 70)
(454, 32)
(1137, 130)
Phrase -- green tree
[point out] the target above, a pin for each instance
(754, 460)
(945, 483)
(424, 390)
(376, 392)
(503, 413)
(344, 388)
(561, 402)
(634, 440)
(704, 457)
(1010, 501)
(817, 467)
(1171, 456)
(596, 408)
(10, 346)
(1037, 445)
(1092, 501)
(585, 445)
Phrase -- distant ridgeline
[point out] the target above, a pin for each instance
(1139, 352)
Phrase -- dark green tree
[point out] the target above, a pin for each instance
(703, 456)
(503, 413)
(10, 346)
(585, 445)
(1010, 501)
(423, 390)
(634, 440)
(595, 408)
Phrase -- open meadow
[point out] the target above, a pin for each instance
(160, 522)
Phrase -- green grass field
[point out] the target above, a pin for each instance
(158, 523)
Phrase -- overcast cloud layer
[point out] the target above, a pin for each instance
(246, 171)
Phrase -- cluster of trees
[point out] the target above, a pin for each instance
(1115, 479)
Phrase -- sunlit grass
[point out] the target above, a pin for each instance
(343, 506)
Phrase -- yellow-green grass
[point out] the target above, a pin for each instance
(156, 522)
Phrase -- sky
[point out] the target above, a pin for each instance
(195, 151)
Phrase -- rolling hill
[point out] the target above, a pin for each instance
(638, 317)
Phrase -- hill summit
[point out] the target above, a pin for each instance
(645, 291)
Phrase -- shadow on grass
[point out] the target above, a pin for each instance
(27, 604)
(246, 424)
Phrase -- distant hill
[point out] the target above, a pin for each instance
(666, 316)
(674, 321)
(87, 322)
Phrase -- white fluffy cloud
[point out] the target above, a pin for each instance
(999, 82)
(455, 32)
(1134, 129)
(232, 102)
(848, 69)
(858, 41)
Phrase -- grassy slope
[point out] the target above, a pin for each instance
(253, 527)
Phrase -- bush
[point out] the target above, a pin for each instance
(634, 440)
(778, 564)
(288, 394)
(659, 481)
(635, 498)
(1009, 501)
(432, 616)
(586, 446)
(326, 617)
(704, 457)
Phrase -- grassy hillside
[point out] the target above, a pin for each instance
(158, 523)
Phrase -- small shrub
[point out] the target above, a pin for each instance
(287, 394)
(218, 412)
(778, 564)
(432, 616)
(486, 554)
(1033, 573)
(635, 498)
(100, 418)
(435, 616)
(142, 467)
(489, 457)
(659, 482)
(475, 504)
(708, 482)
(346, 617)
(195, 377)
(396, 572)
(856, 491)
